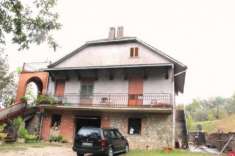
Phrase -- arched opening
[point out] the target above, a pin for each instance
(33, 89)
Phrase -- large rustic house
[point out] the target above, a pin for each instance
(119, 82)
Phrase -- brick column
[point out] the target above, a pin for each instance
(67, 126)
(105, 122)
(46, 127)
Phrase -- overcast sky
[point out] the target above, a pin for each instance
(199, 33)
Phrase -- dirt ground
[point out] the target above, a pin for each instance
(44, 151)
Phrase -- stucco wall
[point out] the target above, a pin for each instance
(103, 86)
(115, 54)
(156, 130)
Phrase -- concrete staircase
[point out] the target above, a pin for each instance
(12, 112)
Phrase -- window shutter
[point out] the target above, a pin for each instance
(59, 88)
(132, 52)
(136, 52)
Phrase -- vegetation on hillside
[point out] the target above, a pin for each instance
(213, 114)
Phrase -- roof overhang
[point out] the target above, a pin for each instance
(111, 67)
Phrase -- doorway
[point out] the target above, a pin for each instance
(84, 121)
(135, 91)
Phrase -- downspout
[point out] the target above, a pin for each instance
(173, 105)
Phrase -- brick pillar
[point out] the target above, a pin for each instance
(105, 122)
(67, 126)
(46, 127)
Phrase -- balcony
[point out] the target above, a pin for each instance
(150, 102)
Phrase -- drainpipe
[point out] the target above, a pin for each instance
(174, 105)
(174, 108)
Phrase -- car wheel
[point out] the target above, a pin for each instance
(79, 154)
(110, 151)
(126, 148)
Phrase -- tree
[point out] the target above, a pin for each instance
(7, 83)
(26, 22)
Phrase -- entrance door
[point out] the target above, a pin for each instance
(135, 91)
(86, 92)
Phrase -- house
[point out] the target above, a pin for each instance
(119, 82)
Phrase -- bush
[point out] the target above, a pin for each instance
(58, 138)
(2, 134)
(30, 138)
(23, 99)
(44, 99)
(18, 123)
(22, 131)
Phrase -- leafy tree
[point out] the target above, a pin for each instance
(26, 22)
(7, 83)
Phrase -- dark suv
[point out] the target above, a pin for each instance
(99, 141)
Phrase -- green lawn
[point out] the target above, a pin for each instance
(161, 153)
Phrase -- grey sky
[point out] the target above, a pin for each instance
(199, 33)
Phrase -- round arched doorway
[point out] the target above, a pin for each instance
(33, 89)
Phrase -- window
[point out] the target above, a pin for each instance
(134, 52)
(55, 120)
(134, 126)
(87, 89)
(110, 134)
(118, 134)
(89, 133)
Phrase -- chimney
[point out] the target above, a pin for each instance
(120, 31)
(111, 33)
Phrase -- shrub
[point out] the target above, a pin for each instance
(18, 123)
(23, 99)
(58, 138)
(22, 132)
(2, 134)
(44, 99)
(30, 138)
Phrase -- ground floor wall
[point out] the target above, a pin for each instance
(155, 133)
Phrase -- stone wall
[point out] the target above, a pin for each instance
(156, 130)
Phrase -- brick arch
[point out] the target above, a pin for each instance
(39, 78)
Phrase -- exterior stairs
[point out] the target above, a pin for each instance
(12, 112)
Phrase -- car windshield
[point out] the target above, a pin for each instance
(89, 132)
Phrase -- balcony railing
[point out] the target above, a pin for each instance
(117, 100)
(34, 66)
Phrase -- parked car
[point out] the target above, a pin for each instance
(100, 141)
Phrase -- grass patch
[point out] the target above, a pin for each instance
(161, 153)
(226, 125)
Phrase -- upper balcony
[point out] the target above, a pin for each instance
(34, 66)
(118, 102)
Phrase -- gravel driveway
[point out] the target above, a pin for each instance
(43, 151)
(46, 150)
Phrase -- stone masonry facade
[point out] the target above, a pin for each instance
(156, 129)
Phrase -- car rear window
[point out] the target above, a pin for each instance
(89, 132)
